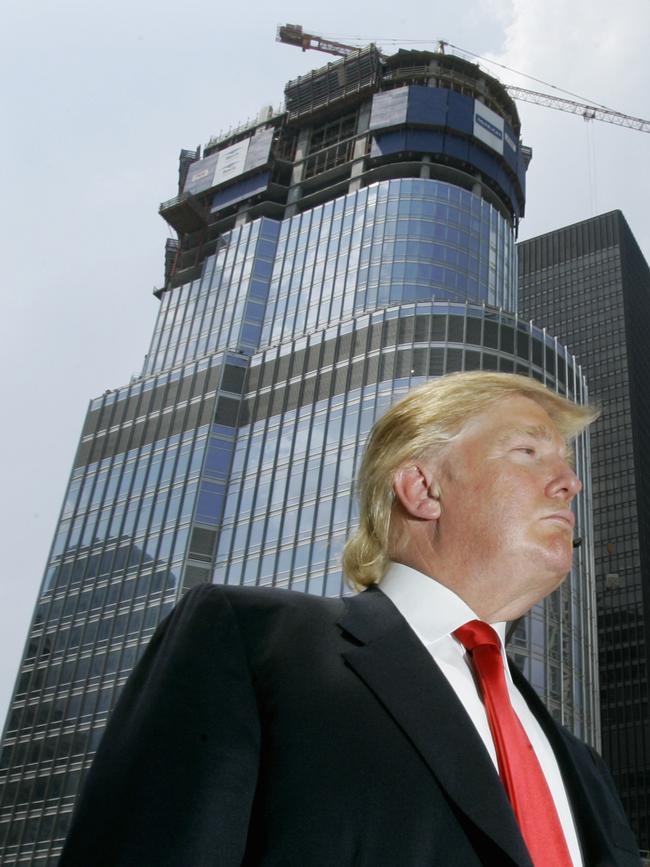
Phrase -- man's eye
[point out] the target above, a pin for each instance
(528, 450)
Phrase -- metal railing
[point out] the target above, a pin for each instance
(249, 123)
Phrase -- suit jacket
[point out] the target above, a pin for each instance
(264, 727)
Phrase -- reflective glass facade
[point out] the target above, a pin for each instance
(590, 284)
(292, 316)
(389, 243)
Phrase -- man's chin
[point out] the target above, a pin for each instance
(560, 579)
(558, 556)
(553, 578)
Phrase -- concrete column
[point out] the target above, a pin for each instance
(359, 151)
(295, 190)
(241, 217)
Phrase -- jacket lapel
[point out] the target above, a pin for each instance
(589, 825)
(393, 663)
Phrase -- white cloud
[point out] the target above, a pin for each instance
(599, 52)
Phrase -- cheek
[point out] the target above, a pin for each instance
(498, 507)
(511, 513)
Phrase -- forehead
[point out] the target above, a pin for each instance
(510, 416)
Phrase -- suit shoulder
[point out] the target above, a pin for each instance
(588, 753)
(264, 600)
(579, 747)
(266, 619)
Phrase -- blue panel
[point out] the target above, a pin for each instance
(521, 171)
(259, 149)
(483, 161)
(427, 105)
(457, 147)
(502, 178)
(423, 141)
(491, 167)
(200, 175)
(238, 192)
(419, 106)
(511, 158)
(389, 108)
(388, 143)
(510, 146)
(510, 190)
(460, 113)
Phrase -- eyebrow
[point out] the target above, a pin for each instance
(538, 432)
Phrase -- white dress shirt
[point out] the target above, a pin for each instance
(433, 612)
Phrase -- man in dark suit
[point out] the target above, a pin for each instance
(270, 728)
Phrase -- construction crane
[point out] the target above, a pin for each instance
(293, 34)
(584, 109)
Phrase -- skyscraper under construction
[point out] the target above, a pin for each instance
(327, 258)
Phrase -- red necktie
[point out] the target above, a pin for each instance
(519, 768)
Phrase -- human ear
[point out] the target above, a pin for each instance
(416, 490)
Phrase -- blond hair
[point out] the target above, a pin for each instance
(423, 422)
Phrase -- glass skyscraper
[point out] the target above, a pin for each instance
(327, 258)
(591, 284)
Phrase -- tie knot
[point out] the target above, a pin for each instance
(476, 633)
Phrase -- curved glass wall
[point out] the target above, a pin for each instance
(392, 242)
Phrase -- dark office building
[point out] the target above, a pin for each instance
(590, 285)
(327, 258)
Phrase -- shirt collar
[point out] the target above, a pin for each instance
(432, 610)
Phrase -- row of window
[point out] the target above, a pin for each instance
(28, 831)
(125, 479)
(288, 289)
(100, 603)
(229, 281)
(59, 747)
(228, 304)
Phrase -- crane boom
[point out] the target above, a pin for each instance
(293, 34)
(587, 111)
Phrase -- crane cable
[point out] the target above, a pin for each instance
(592, 170)
(484, 59)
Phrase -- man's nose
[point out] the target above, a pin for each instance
(565, 482)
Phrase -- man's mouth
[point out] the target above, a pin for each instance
(564, 517)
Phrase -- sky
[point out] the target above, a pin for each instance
(98, 99)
